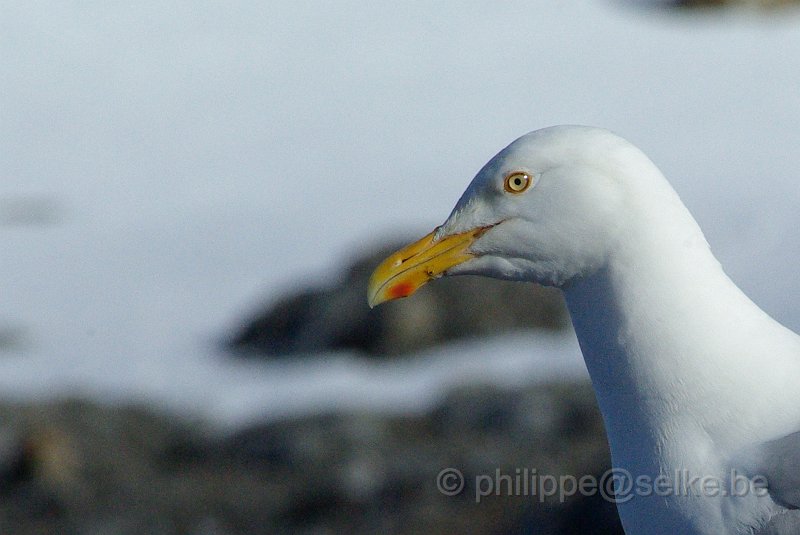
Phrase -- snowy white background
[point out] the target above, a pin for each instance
(192, 158)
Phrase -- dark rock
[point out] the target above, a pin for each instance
(15, 465)
(74, 467)
(686, 5)
(764, 4)
(338, 317)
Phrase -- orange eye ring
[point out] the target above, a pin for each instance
(517, 182)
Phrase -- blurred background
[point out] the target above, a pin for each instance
(192, 195)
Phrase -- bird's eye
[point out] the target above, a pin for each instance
(517, 182)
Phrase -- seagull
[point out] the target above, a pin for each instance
(699, 388)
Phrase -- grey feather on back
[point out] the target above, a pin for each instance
(776, 466)
(779, 463)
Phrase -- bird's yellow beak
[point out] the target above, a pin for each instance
(405, 271)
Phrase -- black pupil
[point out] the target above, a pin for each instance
(518, 181)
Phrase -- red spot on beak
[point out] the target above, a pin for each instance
(402, 289)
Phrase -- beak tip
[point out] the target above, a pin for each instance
(376, 298)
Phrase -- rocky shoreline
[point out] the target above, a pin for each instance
(75, 467)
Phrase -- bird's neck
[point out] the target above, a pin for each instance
(666, 334)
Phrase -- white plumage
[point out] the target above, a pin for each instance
(691, 376)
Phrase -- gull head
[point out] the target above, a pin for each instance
(548, 208)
